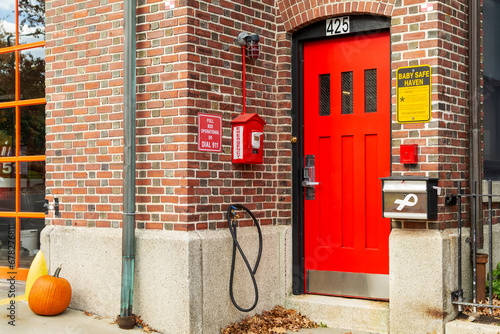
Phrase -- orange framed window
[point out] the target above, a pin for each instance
(22, 134)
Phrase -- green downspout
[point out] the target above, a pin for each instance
(128, 228)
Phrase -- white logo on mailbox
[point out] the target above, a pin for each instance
(406, 201)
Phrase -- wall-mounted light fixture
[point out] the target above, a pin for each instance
(251, 43)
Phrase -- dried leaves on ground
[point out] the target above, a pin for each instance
(88, 314)
(138, 322)
(485, 310)
(276, 321)
(142, 325)
(482, 314)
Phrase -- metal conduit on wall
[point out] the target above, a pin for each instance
(475, 166)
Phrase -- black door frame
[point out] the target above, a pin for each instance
(359, 24)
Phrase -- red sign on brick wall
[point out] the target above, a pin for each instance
(209, 133)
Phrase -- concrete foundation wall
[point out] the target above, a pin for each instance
(181, 278)
(424, 272)
(422, 276)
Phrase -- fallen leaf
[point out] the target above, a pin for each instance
(143, 326)
(278, 320)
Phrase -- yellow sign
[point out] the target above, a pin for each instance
(413, 94)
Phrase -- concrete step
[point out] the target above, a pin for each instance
(465, 327)
(343, 314)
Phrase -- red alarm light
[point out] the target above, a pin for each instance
(251, 43)
(253, 47)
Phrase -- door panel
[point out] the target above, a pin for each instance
(347, 129)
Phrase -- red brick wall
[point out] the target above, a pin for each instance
(299, 13)
(437, 38)
(187, 63)
(84, 87)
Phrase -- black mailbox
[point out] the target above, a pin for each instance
(409, 197)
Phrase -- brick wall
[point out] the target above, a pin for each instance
(299, 13)
(187, 63)
(435, 36)
(83, 123)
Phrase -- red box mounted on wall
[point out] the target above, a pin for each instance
(248, 139)
(408, 154)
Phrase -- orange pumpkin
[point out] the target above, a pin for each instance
(50, 295)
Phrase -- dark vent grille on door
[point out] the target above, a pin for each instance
(371, 90)
(324, 94)
(346, 93)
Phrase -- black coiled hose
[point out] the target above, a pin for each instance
(231, 222)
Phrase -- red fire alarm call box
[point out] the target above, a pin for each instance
(248, 139)
(408, 154)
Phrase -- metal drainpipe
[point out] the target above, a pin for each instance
(128, 228)
(475, 167)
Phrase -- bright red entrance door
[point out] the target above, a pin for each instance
(347, 140)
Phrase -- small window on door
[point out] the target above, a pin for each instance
(346, 86)
(324, 94)
(371, 90)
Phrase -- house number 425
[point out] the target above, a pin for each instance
(338, 25)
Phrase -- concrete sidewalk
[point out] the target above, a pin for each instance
(70, 321)
(76, 322)
(24, 321)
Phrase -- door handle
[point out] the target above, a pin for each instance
(309, 184)
(309, 180)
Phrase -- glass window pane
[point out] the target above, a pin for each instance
(7, 242)
(33, 130)
(491, 128)
(346, 84)
(491, 90)
(7, 186)
(7, 23)
(31, 21)
(7, 77)
(30, 240)
(324, 94)
(371, 90)
(32, 72)
(7, 132)
(32, 186)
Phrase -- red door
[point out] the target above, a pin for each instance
(347, 138)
